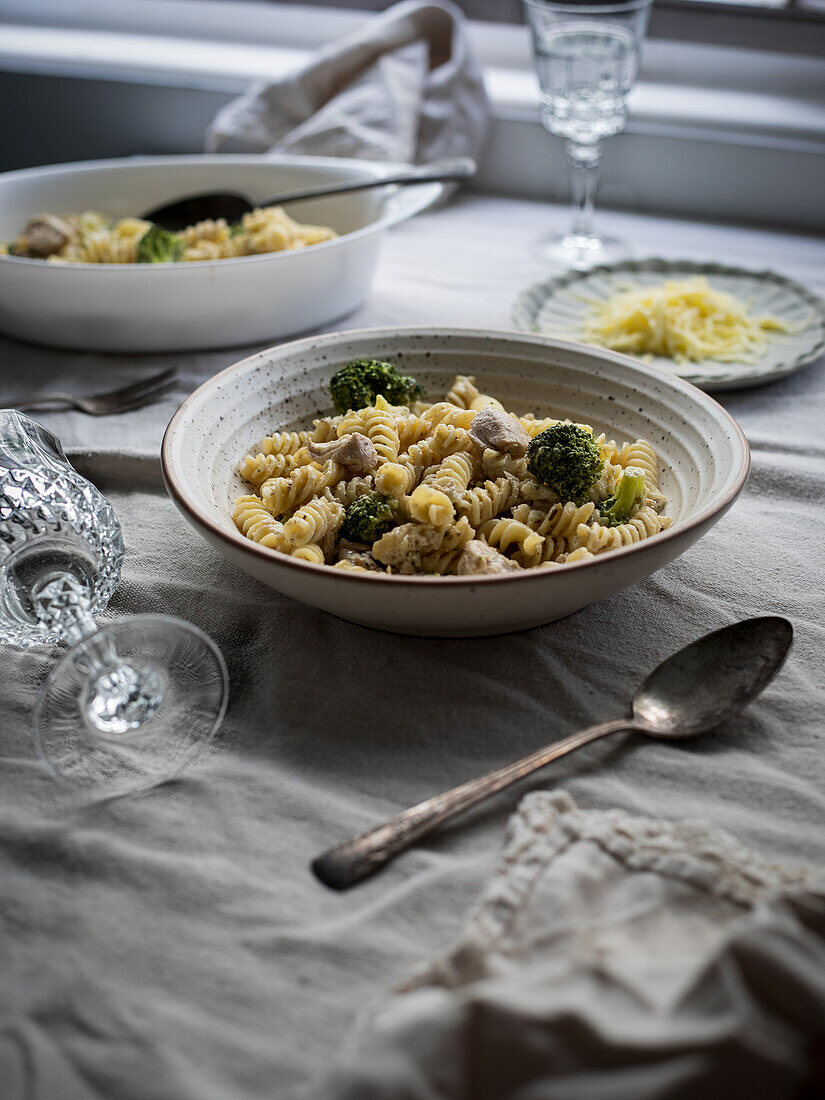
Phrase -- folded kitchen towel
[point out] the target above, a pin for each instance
(404, 87)
(611, 957)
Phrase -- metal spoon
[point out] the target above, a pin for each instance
(176, 215)
(691, 692)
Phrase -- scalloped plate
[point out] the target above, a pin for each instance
(557, 308)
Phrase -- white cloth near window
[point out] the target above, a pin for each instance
(404, 87)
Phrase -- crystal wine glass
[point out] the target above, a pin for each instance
(587, 58)
(132, 702)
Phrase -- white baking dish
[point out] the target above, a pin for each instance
(187, 306)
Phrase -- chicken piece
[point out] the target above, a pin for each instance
(328, 541)
(479, 559)
(421, 548)
(358, 553)
(404, 546)
(499, 431)
(44, 235)
(354, 452)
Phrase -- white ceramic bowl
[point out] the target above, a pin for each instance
(187, 306)
(704, 462)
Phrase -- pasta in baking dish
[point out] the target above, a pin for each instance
(92, 238)
(458, 486)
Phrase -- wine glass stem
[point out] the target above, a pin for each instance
(120, 696)
(80, 626)
(584, 175)
(62, 601)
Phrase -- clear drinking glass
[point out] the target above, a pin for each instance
(132, 702)
(587, 59)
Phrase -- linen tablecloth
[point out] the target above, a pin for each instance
(175, 944)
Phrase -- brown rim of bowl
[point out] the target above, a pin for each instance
(235, 538)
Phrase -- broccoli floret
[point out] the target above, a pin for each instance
(402, 389)
(369, 517)
(619, 507)
(158, 246)
(358, 384)
(349, 389)
(567, 459)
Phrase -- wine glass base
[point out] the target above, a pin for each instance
(579, 251)
(131, 705)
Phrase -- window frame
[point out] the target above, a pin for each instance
(788, 27)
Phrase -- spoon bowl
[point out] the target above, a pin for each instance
(707, 682)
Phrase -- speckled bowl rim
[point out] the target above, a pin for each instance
(239, 541)
(526, 307)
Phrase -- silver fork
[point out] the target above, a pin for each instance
(134, 396)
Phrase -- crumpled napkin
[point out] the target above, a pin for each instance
(611, 958)
(405, 87)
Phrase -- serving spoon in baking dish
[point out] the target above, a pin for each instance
(232, 206)
(691, 692)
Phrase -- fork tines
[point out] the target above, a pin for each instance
(137, 389)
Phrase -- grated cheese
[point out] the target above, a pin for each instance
(684, 320)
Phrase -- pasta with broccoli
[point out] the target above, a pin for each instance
(460, 486)
(92, 238)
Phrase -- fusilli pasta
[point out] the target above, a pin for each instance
(449, 502)
(92, 238)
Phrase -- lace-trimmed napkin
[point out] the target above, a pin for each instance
(611, 957)
(405, 87)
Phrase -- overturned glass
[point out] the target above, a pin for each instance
(133, 702)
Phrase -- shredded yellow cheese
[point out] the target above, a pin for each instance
(684, 320)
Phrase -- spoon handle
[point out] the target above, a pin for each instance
(357, 859)
(457, 168)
